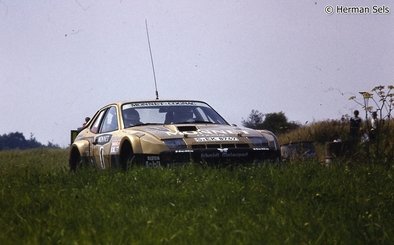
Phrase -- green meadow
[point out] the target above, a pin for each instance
(41, 202)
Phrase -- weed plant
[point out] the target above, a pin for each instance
(41, 202)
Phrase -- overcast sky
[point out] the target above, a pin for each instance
(63, 60)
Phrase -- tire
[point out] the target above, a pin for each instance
(127, 157)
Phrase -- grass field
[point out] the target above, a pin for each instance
(306, 203)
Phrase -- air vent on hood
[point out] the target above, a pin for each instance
(187, 128)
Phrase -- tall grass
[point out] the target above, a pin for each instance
(319, 132)
(378, 151)
(41, 202)
(40, 161)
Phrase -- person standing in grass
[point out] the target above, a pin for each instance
(374, 126)
(355, 124)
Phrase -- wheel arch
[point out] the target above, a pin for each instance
(78, 151)
(132, 141)
(128, 147)
(74, 158)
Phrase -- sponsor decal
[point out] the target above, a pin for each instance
(224, 154)
(261, 149)
(163, 103)
(184, 151)
(152, 161)
(207, 133)
(244, 154)
(210, 155)
(217, 138)
(102, 159)
(103, 139)
(115, 147)
(153, 158)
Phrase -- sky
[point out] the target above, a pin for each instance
(61, 61)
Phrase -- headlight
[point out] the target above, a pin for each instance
(272, 141)
(175, 144)
(258, 141)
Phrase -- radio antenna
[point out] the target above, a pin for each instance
(151, 59)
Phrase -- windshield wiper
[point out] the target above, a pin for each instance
(143, 124)
(197, 121)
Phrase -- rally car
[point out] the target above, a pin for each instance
(166, 132)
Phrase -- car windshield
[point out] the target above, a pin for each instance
(169, 112)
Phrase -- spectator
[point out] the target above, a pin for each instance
(355, 123)
(374, 126)
(87, 119)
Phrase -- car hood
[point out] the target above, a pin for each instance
(163, 132)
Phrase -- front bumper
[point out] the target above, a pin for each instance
(210, 157)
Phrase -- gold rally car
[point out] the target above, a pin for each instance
(166, 132)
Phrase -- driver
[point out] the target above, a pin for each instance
(184, 115)
(131, 117)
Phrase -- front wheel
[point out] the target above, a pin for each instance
(127, 157)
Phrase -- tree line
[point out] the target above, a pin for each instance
(16, 140)
(276, 122)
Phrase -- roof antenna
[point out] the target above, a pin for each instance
(151, 59)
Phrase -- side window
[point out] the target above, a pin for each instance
(110, 121)
(96, 124)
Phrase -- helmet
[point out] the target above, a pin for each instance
(130, 117)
